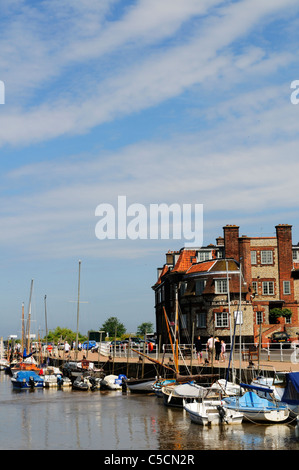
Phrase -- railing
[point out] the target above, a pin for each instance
(269, 352)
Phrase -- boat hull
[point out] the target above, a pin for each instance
(26, 380)
(256, 409)
(141, 385)
(210, 413)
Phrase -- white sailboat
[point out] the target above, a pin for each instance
(3, 361)
(212, 412)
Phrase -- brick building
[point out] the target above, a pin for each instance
(209, 285)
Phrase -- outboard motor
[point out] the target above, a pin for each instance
(221, 412)
(31, 382)
(92, 383)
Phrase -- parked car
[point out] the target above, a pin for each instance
(92, 344)
(280, 337)
(117, 344)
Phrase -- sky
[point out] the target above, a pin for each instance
(185, 102)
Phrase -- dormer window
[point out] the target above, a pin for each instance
(220, 286)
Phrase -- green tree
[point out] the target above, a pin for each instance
(63, 334)
(146, 327)
(113, 325)
(276, 313)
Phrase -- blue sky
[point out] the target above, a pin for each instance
(172, 101)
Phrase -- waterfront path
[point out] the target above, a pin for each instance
(278, 365)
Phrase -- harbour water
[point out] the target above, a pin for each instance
(113, 421)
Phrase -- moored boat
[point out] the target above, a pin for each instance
(26, 379)
(159, 384)
(141, 385)
(257, 409)
(177, 394)
(212, 412)
(283, 387)
(113, 382)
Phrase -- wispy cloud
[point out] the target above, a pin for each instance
(96, 92)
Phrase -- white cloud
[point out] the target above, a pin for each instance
(134, 84)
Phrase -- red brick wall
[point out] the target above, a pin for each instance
(231, 242)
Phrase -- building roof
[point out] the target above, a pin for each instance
(214, 265)
(165, 269)
(204, 266)
(185, 260)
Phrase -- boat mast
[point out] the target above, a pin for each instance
(46, 321)
(29, 318)
(78, 303)
(176, 357)
(23, 329)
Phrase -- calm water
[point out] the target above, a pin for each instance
(55, 419)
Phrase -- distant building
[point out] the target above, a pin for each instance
(208, 285)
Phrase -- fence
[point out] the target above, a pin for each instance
(248, 351)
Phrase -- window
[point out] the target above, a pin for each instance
(254, 286)
(286, 287)
(183, 287)
(259, 318)
(268, 288)
(204, 255)
(201, 320)
(267, 257)
(184, 323)
(221, 286)
(295, 255)
(253, 257)
(221, 320)
(199, 286)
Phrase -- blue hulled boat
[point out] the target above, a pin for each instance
(255, 408)
(26, 379)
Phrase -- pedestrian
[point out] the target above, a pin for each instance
(210, 348)
(217, 349)
(198, 348)
(223, 351)
(66, 348)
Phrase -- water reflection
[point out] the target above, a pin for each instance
(66, 419)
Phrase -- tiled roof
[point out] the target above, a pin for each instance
(164, 271)
(201, 267)
(185, 260)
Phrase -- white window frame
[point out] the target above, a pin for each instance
(255, 286)
(286, 287)
(253, 257)
(204, 255)
(267, 287)
(221, 286)
(221, 320)
(259, 318)
(266, 257)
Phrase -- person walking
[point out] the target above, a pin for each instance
(198, 348)
(210, 348)
(217, 349)
(223, 351)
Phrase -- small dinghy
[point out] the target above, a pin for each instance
(212, 412)
(26, 379)
(177, 395)
(81, 383)
(113, 382)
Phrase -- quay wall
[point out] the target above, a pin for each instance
(137, 369)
